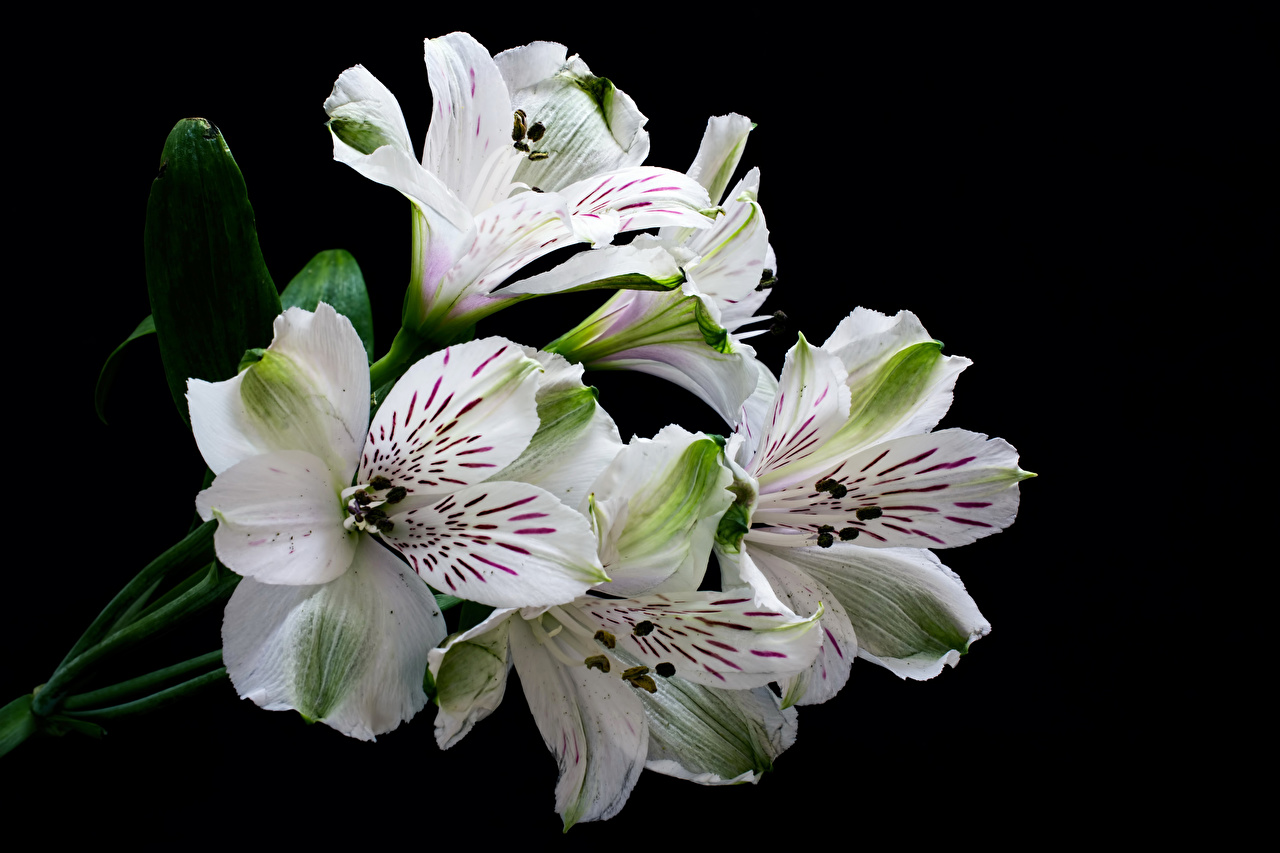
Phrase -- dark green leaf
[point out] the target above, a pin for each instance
(112, 364)
(16, 723)
(211, 295)
(333, 276)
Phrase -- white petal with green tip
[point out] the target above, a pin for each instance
(655, 510)
(718, 155)
(454, 418)
(349, 653)
(592, 722)
(364, 115)
(937, 490)
(803, 593)
(279, 519)
(309, 392)
(911, 613)
(732, 250)
(470, 674)
(503, 544)
(718, 639)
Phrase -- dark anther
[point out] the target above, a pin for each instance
(521, 146)
(536, 189)
(538, 155)
(374, 514)
(517, 126)
(380, 482)
(643, 682)
(868, 512)
(362, 498)
(779, 326)
(642, 628)
(608, 639)
(634, 672)
(838, 491)
(826, 528)
(825, 540)
(385, 525)
(823, 485)
(397, 494)
(767, 280)
(848, 533)
(599, 662)
(666, 670)
(536, 130)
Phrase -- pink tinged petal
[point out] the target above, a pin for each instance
(802, 592)
(455, 418)
(349, 653)
(718, 646)
(593, 724)
(279, 519)
(469, 543)
(311, 392)
(649, 196)
(937, 490)
(811, 406)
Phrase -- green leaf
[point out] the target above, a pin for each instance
(211, 295)
(333, 276)
(112, 364)
(472, 614)
(16, 723)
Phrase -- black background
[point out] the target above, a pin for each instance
(1086, 208)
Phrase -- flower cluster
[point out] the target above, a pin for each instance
(478, 469)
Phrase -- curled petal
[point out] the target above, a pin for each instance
(364, 116)
(470, 673)
(721, 149)
(349, 653)
(634, 198)
(279, 519)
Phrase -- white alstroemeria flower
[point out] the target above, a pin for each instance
(668, 679)
(470, 232)
(684, 335)
(844, 489)
(327, 620)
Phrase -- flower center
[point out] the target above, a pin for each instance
(524, 136)
(573, 644)
(364, 505)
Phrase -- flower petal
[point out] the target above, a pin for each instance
(812, 404)
(470, 673)
(655, 510)
(309, 392)
(937, 490)
(911, 613)
(588, 126)
(716, 639)
(575, 440)
(639, 264)
(364, 115)
(634, 198)
(349, 653)
(753, 416)
(454, 418)
(501, 544)
(279, 519)
(593, 726)
(469, 140)
(721, 148)
(803, 594)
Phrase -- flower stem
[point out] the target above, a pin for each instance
(141, 684)
(392, 365)
(155, 700)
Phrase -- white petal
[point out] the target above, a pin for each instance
(812, 404)
(803, 593)
(911, 613)
(522, 67)
(350, 653)
(279, 519)
(470, 672)
(722, 145)
(364, 115)
(751, 421)
(309, 392)
(588, 125)
(575, 440)
(469, 141)
(593, 724)
(656, 509)
(501, 544)
(637, 263)
(716, 639)
(454, 418)
(634, 198)
(938, 490)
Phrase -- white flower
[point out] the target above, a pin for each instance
(327, 620)
(684, 335)
(852, 488)
(579, 136)
(666, 677)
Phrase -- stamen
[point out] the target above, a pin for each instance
(868, 512)
(608, 639)
(823, 485)
(779, 326)
(536, 130)
(384, 525)
(521, 146)
(634, 672)
(838, 491)
(848, 533)
(599, 662)
(665, 669)
(397, 494)
(380, 482)
(540, 633)
(517, 126)
(538, 155)
(556, 630)
(767, 280)
(643, 682)
(642, 629)
(825, 540)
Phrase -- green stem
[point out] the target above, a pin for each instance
(141, 684)
(155, 700)
(392, 365)
(217, 584)
(195, 550)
